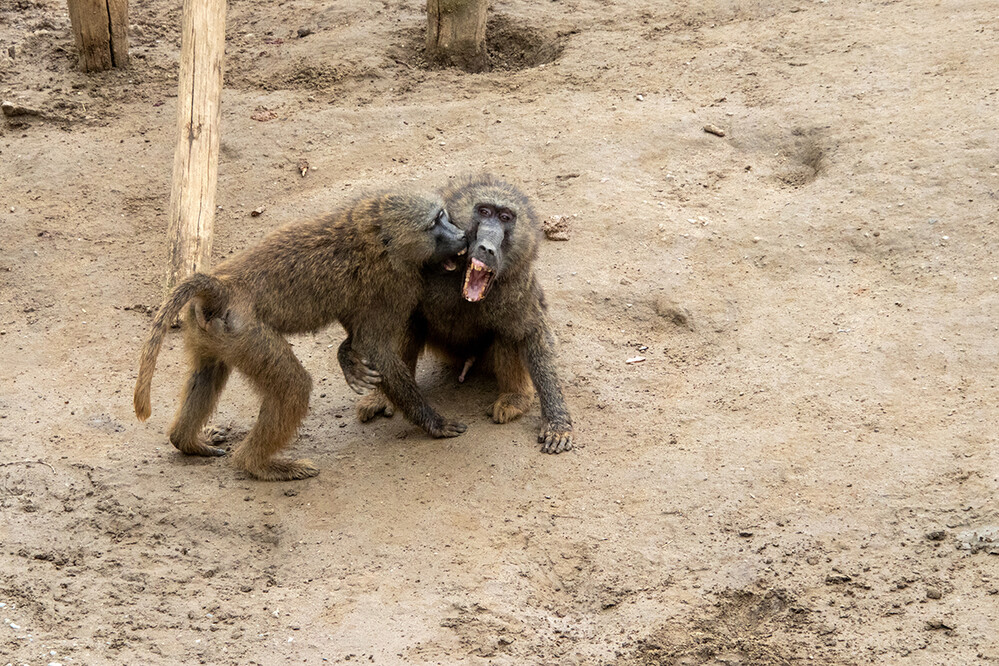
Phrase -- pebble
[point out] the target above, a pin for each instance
(938, 624)
(933, 593)
(714, 129)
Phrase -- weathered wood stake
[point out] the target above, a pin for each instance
(195, 164)
(456, 33)
(100, 28)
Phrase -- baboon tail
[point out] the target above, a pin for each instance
(199, 284)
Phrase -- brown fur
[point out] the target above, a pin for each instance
(360, 266)
(508, 327)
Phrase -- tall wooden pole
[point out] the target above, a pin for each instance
(456, 33)
(195, 164)
(100, 28)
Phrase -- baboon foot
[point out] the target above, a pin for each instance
(445, 428)
(508, 406)
(280, 469)
(555, 438)
(194, 447)
(372, 405)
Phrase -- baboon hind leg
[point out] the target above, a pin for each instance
(514, 382)
(201, 394)
(268, 361)
(373, 404)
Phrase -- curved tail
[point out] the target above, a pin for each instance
(199, 284)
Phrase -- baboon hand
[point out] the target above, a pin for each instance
(442, 427)
(360, 375)
(555, 438)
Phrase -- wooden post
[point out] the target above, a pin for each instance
(100, 28)
(195, 164)
(456, 33)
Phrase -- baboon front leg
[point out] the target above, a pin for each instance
(375, 402)
(556, 429)
(267, 359)
(200, 397)
(514, 382)
(399, 384)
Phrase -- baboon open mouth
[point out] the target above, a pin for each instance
(451, 263)
(478, 279)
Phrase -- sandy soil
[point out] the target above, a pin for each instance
(791, 476)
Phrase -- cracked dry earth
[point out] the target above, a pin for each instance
(802, 470)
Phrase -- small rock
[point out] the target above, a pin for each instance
(556, 228)
(625, 281)
(936, 535)
(937, 623)
(10, 110)
(304, 32)
(635, 359)
(672, 312)
(745, 534)
(713, 129)
(933, 593)
(262, 114)
(257, 212)
(837, 579)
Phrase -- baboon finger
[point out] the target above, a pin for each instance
(449, 429)
(199, 449)
(362, 377)
(555, 440)
(361, 385)
(370, 372)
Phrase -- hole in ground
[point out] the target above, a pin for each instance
(512, 44)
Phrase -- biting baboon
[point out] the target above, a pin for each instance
(509, 330)
(360, 266)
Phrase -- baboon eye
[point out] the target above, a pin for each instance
(506, 217)
(485, 211)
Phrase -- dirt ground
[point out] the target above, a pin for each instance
(803, 469)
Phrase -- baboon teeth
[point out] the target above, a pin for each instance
(463, 251)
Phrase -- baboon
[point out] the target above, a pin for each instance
(360, 266)
(508, 330)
